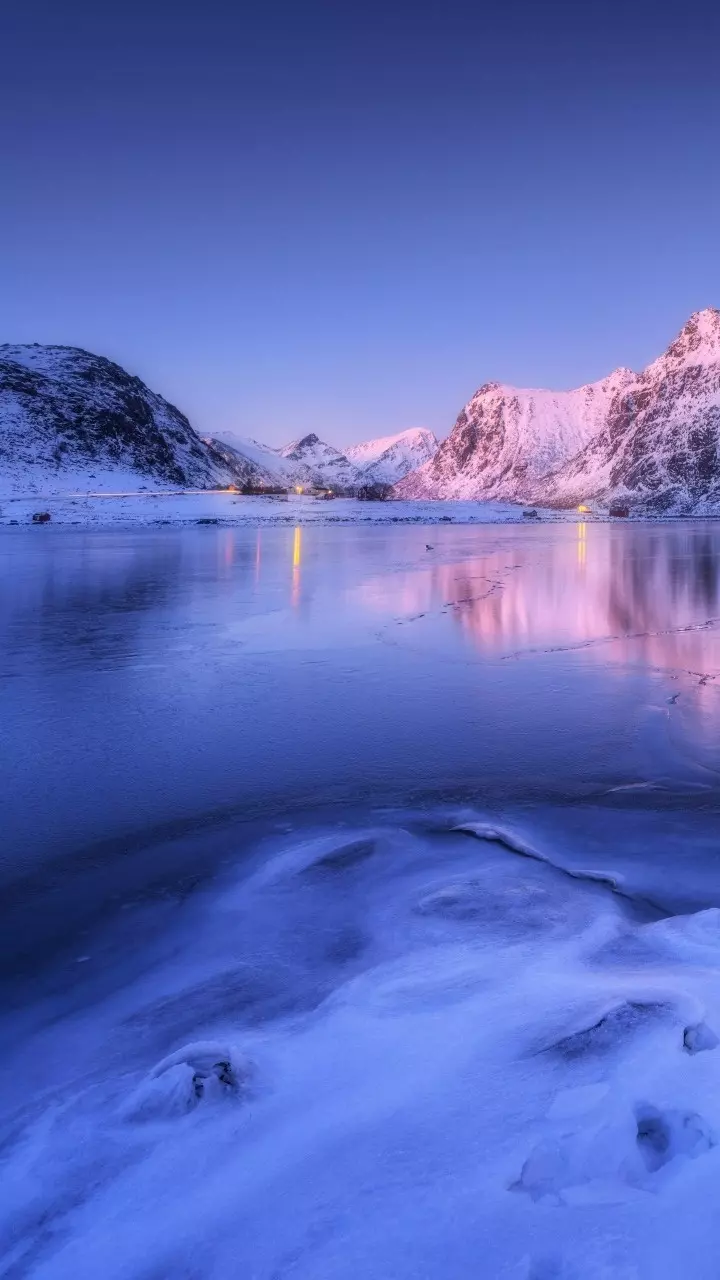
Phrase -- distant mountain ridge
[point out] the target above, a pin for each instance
(650, 439)
(322, 463)
(389, 458)
(310, 461)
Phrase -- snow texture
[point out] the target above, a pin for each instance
(465, 1063)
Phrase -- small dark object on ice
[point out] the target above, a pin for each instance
(41, 517)
(428, 547)
(531, 515)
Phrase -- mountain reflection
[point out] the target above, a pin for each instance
(649, 591)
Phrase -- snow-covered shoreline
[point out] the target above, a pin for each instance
(140, 510)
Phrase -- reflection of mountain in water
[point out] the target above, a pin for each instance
(637, 587)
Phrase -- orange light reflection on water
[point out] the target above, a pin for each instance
(296, 562)
(582, 543)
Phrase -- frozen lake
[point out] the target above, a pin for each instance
(310, 796)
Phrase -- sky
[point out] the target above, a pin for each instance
(343, 217)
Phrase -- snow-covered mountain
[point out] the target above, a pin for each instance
(659, 448)
(651, 439)
(307, 461)
(506, 439)
(253, 463)
(389, 458)
(322, 463)
(70, 420)
(311, 461)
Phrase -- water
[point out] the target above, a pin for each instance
(235, 763)
(188, 673)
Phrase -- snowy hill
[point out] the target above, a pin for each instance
(506, 439)
(390, 458)
(659, 448)
(70, 420)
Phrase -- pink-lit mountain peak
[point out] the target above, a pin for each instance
(698, 342)
(650, 439)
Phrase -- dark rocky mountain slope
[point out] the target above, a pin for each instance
(73, 420)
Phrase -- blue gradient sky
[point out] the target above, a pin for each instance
(344, 217)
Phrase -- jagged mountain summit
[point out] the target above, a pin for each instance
(390, 458)
(73, 420)
(650, 439)
(659, 447)
(311, 461)
(507, 438)
(307, 462)
(323, 463)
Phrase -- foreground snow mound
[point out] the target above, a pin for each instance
(70, 420)
(474, 1064)
(205, 1071)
